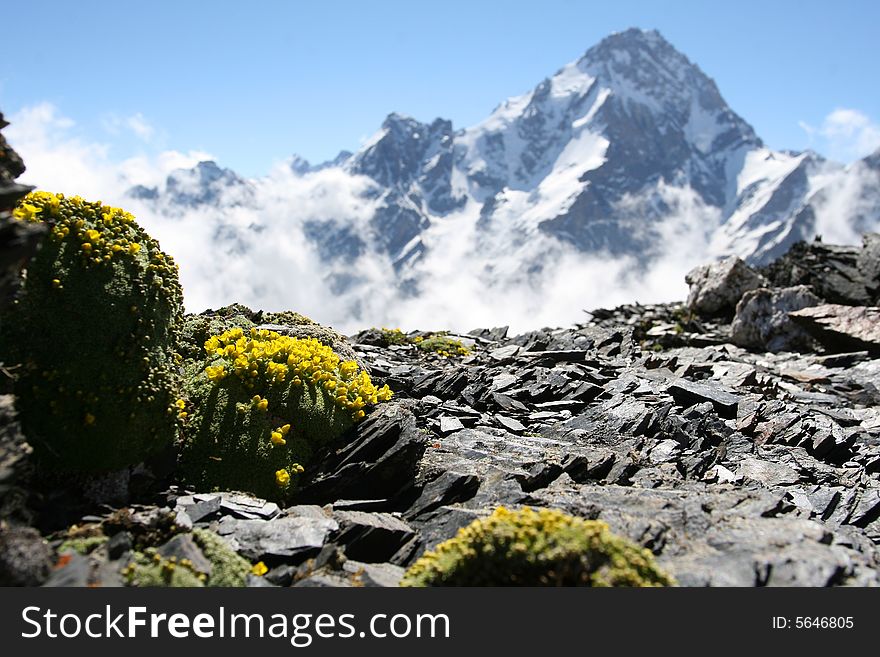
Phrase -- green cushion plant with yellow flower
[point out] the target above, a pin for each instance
(94, 330)
(529, 547)
(260, 404)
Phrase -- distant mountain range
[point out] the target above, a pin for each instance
(630, 151)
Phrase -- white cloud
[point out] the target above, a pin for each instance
(845, 134)
(139, 126)
(470, 278)
(136, 124)
(59, 160)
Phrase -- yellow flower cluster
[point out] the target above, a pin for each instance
(263, 356)
(278, 436)
(180, 405)
(282, 477)
(100, 232)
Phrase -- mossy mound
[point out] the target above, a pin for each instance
(542, 547)
(261, 403)
(228, 569)
(442, 345)
(198, 328)
(149, 569)
(94, 328)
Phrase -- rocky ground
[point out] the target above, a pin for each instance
(737, 436)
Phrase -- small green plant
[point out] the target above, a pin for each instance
(432, 343)
(442, 345)
(82, 545)
(261, 403)
(287, 318)
(394, 336)
(150, 569)
(94, 329)
(228, 569)
(530, 547)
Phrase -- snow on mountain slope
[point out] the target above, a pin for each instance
(603, 184)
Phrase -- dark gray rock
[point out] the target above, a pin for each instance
(119, 544)
(374, 574)
(722, 537)
(842, 328)
(239, 505)
(379, 460)
(371, 537)
(199, 507)
(449, 424)
(762, 319)
(838, 274)
(688, 393)
(767, 472)
(182, 547)
(293, 538)
(448, 488)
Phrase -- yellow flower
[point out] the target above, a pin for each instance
(26, 212)
(133, 248)
(277, 438)
(259, 569)
(284, 430)
(282, 478)
(215, 373)
(180, 404)
(263, 405)
(93, 235)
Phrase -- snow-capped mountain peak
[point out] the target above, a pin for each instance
(627, 154)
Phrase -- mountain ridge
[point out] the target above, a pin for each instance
(622, 153)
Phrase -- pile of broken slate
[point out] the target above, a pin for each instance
(736, 436)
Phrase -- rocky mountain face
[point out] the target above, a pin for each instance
(734, 436)
(205, 184)
(614, 154)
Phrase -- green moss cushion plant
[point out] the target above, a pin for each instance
(543, 547)
(228, 569)
(94, 331)
(261, 403)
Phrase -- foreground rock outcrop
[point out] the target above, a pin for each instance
(733, 467)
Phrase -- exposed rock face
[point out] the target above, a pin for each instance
(842, 328)
(762, 319)
(715, 289)
(838, 274)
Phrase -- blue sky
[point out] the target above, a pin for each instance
(252, 83)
